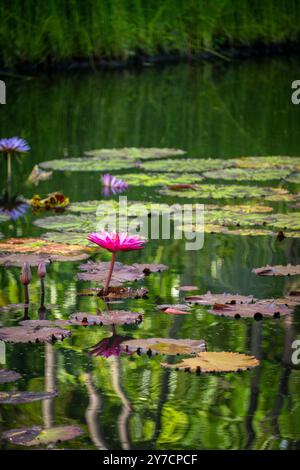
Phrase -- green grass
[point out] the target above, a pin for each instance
(59, 30)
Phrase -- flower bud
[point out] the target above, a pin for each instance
(26, 276)
(42, 270)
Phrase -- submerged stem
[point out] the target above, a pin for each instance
(26, 294)
(111, 269)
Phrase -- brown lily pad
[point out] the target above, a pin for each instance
(211, 299)
(15, 398)
(114, 317)
(167, 346)
(32, 334)
(212, 362)
(256, 310)
(116, 293)
(36, 435)
(122, 273)
(45, 323)
(8, 376)
(278, 270)
(148, 268)
(178, 309)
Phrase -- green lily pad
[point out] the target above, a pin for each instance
(214, 191)
(68, 223)
(248, 174)
(87, 164)
(240, 208)
(292, 163)
(133, 153)
(215, 228)
(188, 165)
(162, 179)
(294, 178)
(38, 436)
(68, 237)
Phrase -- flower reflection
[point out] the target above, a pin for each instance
(14, 207)
(113, 185)
(108, 346)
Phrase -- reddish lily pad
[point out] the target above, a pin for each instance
(8, 376)
(211, 362)
(114, 317)
(187, 288)
(30, 334)
(15, 398)
(256, 310)
(211, 299)
(45, 323)
(167, 346)
(179, 309)
(36, 435)
(278, 270)
(116, 293)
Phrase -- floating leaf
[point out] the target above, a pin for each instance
(167, 346)
(189, 165)
(240, 208)
(67, 223)
(98, 272)
(148, 268)
(113, 317)
(116, 293)
(23, 334)
(18, 259)
(8, 376)
(179, 307)
(36, 435)
(88, 164)
(211, 299)
(73, 238)
(46, 323)
(255, 310)
(133, 153)
(215, 362)
(40, 246)
(175, 311)
(15, 398)
(215, 228)
(279, 270)
(292, 163)
(162, 179)
(214, 191)
(248, 174)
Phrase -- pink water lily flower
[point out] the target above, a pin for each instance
(113, 182)
(115, 242)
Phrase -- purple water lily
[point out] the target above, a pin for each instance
(14, 145)
(110, 181)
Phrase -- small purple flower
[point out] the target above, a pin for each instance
(14, 145)
(111, 181)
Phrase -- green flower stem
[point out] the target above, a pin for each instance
(111, 269)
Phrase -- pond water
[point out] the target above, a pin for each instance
(130, 401)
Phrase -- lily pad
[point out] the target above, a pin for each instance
(113, 317)
(178, 307)
(18, 259)
(187, 288)
(36, 435)
(148, 268)
(214, 191)
(255, 310)
(88, 164)
(248, 174)
(211, 299)
(167, 346)
(98, 272)
(278, 270)
(260, 162)
(46, 323)
(23, 334)
(188, 165)
(8, 376)
(67, 223)
(208, 362)
(241, 208)
(73, 238)
(16, 398)
(40, 246)
(215, 228)
(294, 177)
(162, 179)
(133, 153)
(116, 293)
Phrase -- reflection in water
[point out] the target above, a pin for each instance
(50, 385)
(92, 414)
(14, 207)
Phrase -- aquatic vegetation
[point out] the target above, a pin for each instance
(17, 397)
(133, 153)
(56, 201)
(174, 309)
(37, 175)
(208, 362)
(186, 165)
(167, 346)
(256, 310)
(248, 174)
(88, 164)
(111, 317)
(213, 191)
(8, 376)
(225, 298)
(279, 270)
(36, 435)
(269, 162)
(116, 293)
(32, 334)
(164, 179)
(115, 242)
